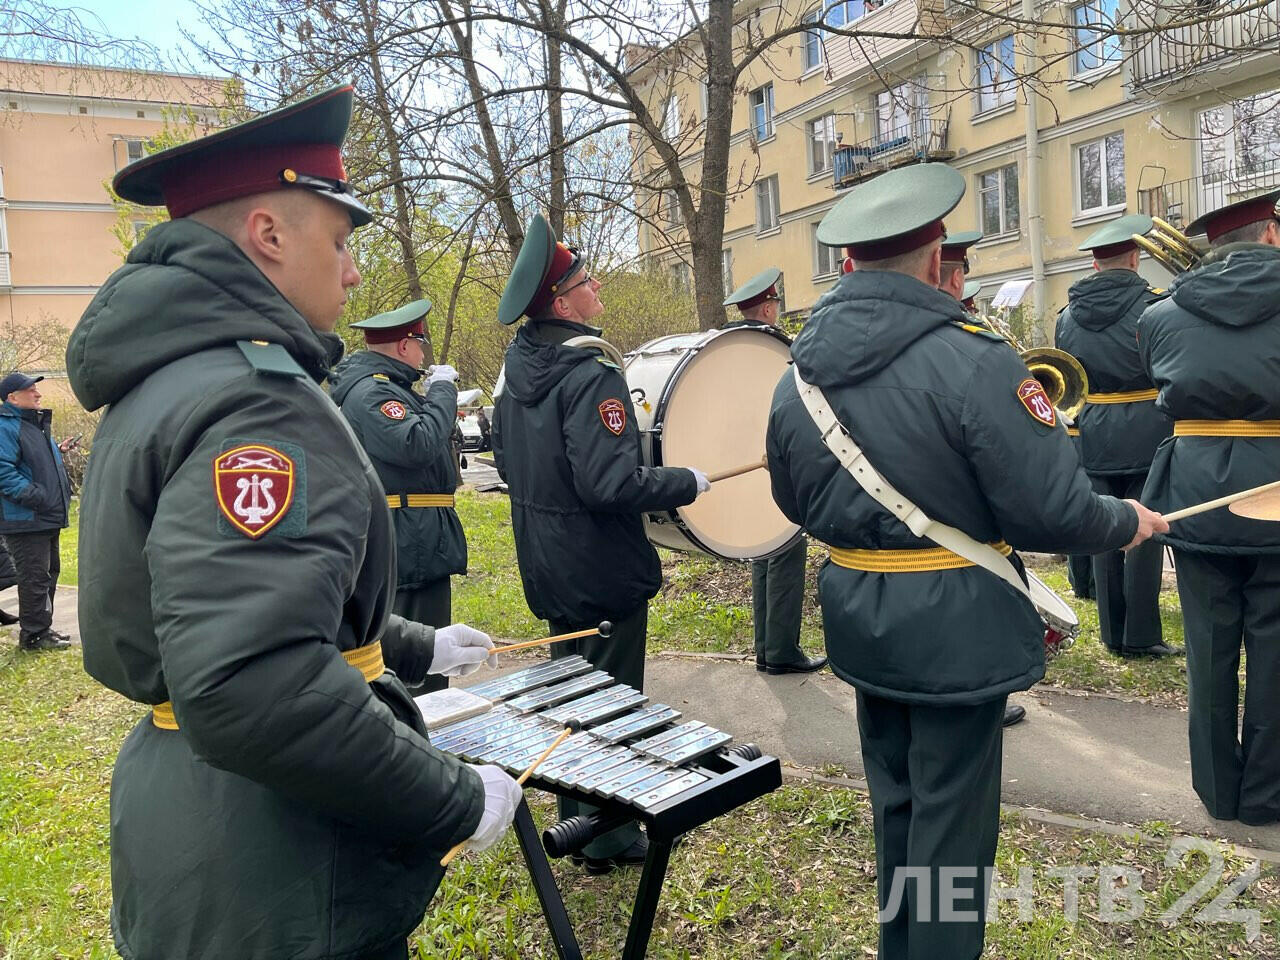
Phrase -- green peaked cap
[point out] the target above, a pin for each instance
(1118, 231)
(530, 270)
(400, 317)
(1227, 218)
(757, 285)
(892, 205)
(971, 288)
(958, 243)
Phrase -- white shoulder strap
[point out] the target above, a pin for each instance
(851, 457)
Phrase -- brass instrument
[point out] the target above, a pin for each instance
(1170, 247)
(1061, 375)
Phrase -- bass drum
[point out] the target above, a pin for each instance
(702, 400)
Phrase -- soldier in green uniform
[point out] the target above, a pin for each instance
(406, 435)
(237, 569)
(777, 583)
(1120, 426)
(967, 295)
(1211, 348)
(565, 441)
(953, 267)
(948, 415)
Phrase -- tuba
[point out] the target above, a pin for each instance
(1061, 375)
(1170, 247)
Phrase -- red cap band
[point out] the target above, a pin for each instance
(1110, 250)
(1264, 208)
(770, 294)
(896, 246)
(229, 174)
(954, 254)
(561, 261)
(392, 334)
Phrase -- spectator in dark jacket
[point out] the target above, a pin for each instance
(34, 499)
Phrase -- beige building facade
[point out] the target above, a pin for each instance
(64, 132)
(1170, 123)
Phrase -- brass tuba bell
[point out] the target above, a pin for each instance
(1169, 247)
(1061, 375)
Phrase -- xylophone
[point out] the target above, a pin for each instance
(634, 760)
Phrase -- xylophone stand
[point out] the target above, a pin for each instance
(544, 883)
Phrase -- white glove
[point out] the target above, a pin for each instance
(442, 371)
(460, 650)
(501, 797)
(703, 483)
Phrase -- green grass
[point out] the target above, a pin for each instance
(68, 544)
(791, 875)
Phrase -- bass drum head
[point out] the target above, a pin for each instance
(714, 418)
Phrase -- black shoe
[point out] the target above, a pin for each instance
(1013, 714)
(807, 665)
(632, 856)
(761, 666)
(44, 641)
(1156, 650)
(7, 619)
(1254, 817)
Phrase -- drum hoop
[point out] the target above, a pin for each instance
(659, 413)
(1052, 617)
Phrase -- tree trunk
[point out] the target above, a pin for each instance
(706, 227)
(553, 18)
(461, 277)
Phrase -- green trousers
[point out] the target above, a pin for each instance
(1128, 584)
(777, 598)
(1080, 575)
(621, 654)
(934, 778)
(431, 604)
(1226, 601)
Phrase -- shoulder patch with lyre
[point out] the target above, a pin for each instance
(1035, 401)
(614, 416)
(255, 485)
(393, 410)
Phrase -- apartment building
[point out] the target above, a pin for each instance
(1171, 123)
(64, 132)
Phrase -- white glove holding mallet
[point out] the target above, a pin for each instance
(501, 797)
(441, 371)
(460, 650)
(703, 483)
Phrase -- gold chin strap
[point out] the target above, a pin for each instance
(366, 659)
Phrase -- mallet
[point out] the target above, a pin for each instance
(604, 630)
(570, 728)
(738, 471)
(1267, 507)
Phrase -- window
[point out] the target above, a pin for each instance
(1093, 19)
(812, 43)
(726, 269)
(998, 200)
(671, 119)
(846, 11)
(140, 228)
(826, 260)
(762, 112)
(901, 111)
(680, 276)
(766, 204)
(1240, 138)
(995, 74)
(671, 207)
(1100, 167)
(821, 137)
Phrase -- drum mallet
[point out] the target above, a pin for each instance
(570, 728)
(1222, 502)
(604, 630)
(760, 464)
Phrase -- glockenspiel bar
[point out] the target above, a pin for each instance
(636, 724)
(633, 790)
(609, 758)
(680, 753)
(599, 782)
(571, 750)
(548, 672)
(598, 706)
(565, 773)
(658, 739)
(482, 740)
(445, 737)
(544, 697)
(663, 793)
(490, 753)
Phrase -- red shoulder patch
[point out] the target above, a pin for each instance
(1036, 402)
(614, 415)
(254, 484)
(393, 410)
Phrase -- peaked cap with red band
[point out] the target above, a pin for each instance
(763, 286)
(296, 146)
(395, 324)
(1235, 215)
(1116, 237)
(894, 213)
(542, 268)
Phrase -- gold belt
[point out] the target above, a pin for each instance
(1128, 396)
(906, 561)
(396, 500)
(1073, 431)
(1226, 428)
(366, 659)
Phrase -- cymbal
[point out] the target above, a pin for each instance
(1261, 506)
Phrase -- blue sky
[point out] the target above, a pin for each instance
(157, 22)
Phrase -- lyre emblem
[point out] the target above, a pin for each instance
(254, 485)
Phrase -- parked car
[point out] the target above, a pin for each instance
(472, 438)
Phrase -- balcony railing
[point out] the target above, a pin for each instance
(1182, 201)
(6, 281)
(916, 142)
(1177, 51)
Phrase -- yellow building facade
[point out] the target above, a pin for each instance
(64, 132)
(1171, 122)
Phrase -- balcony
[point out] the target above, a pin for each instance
(917, 142)
(1182, 201)
(1178, 51)
(6, 281)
